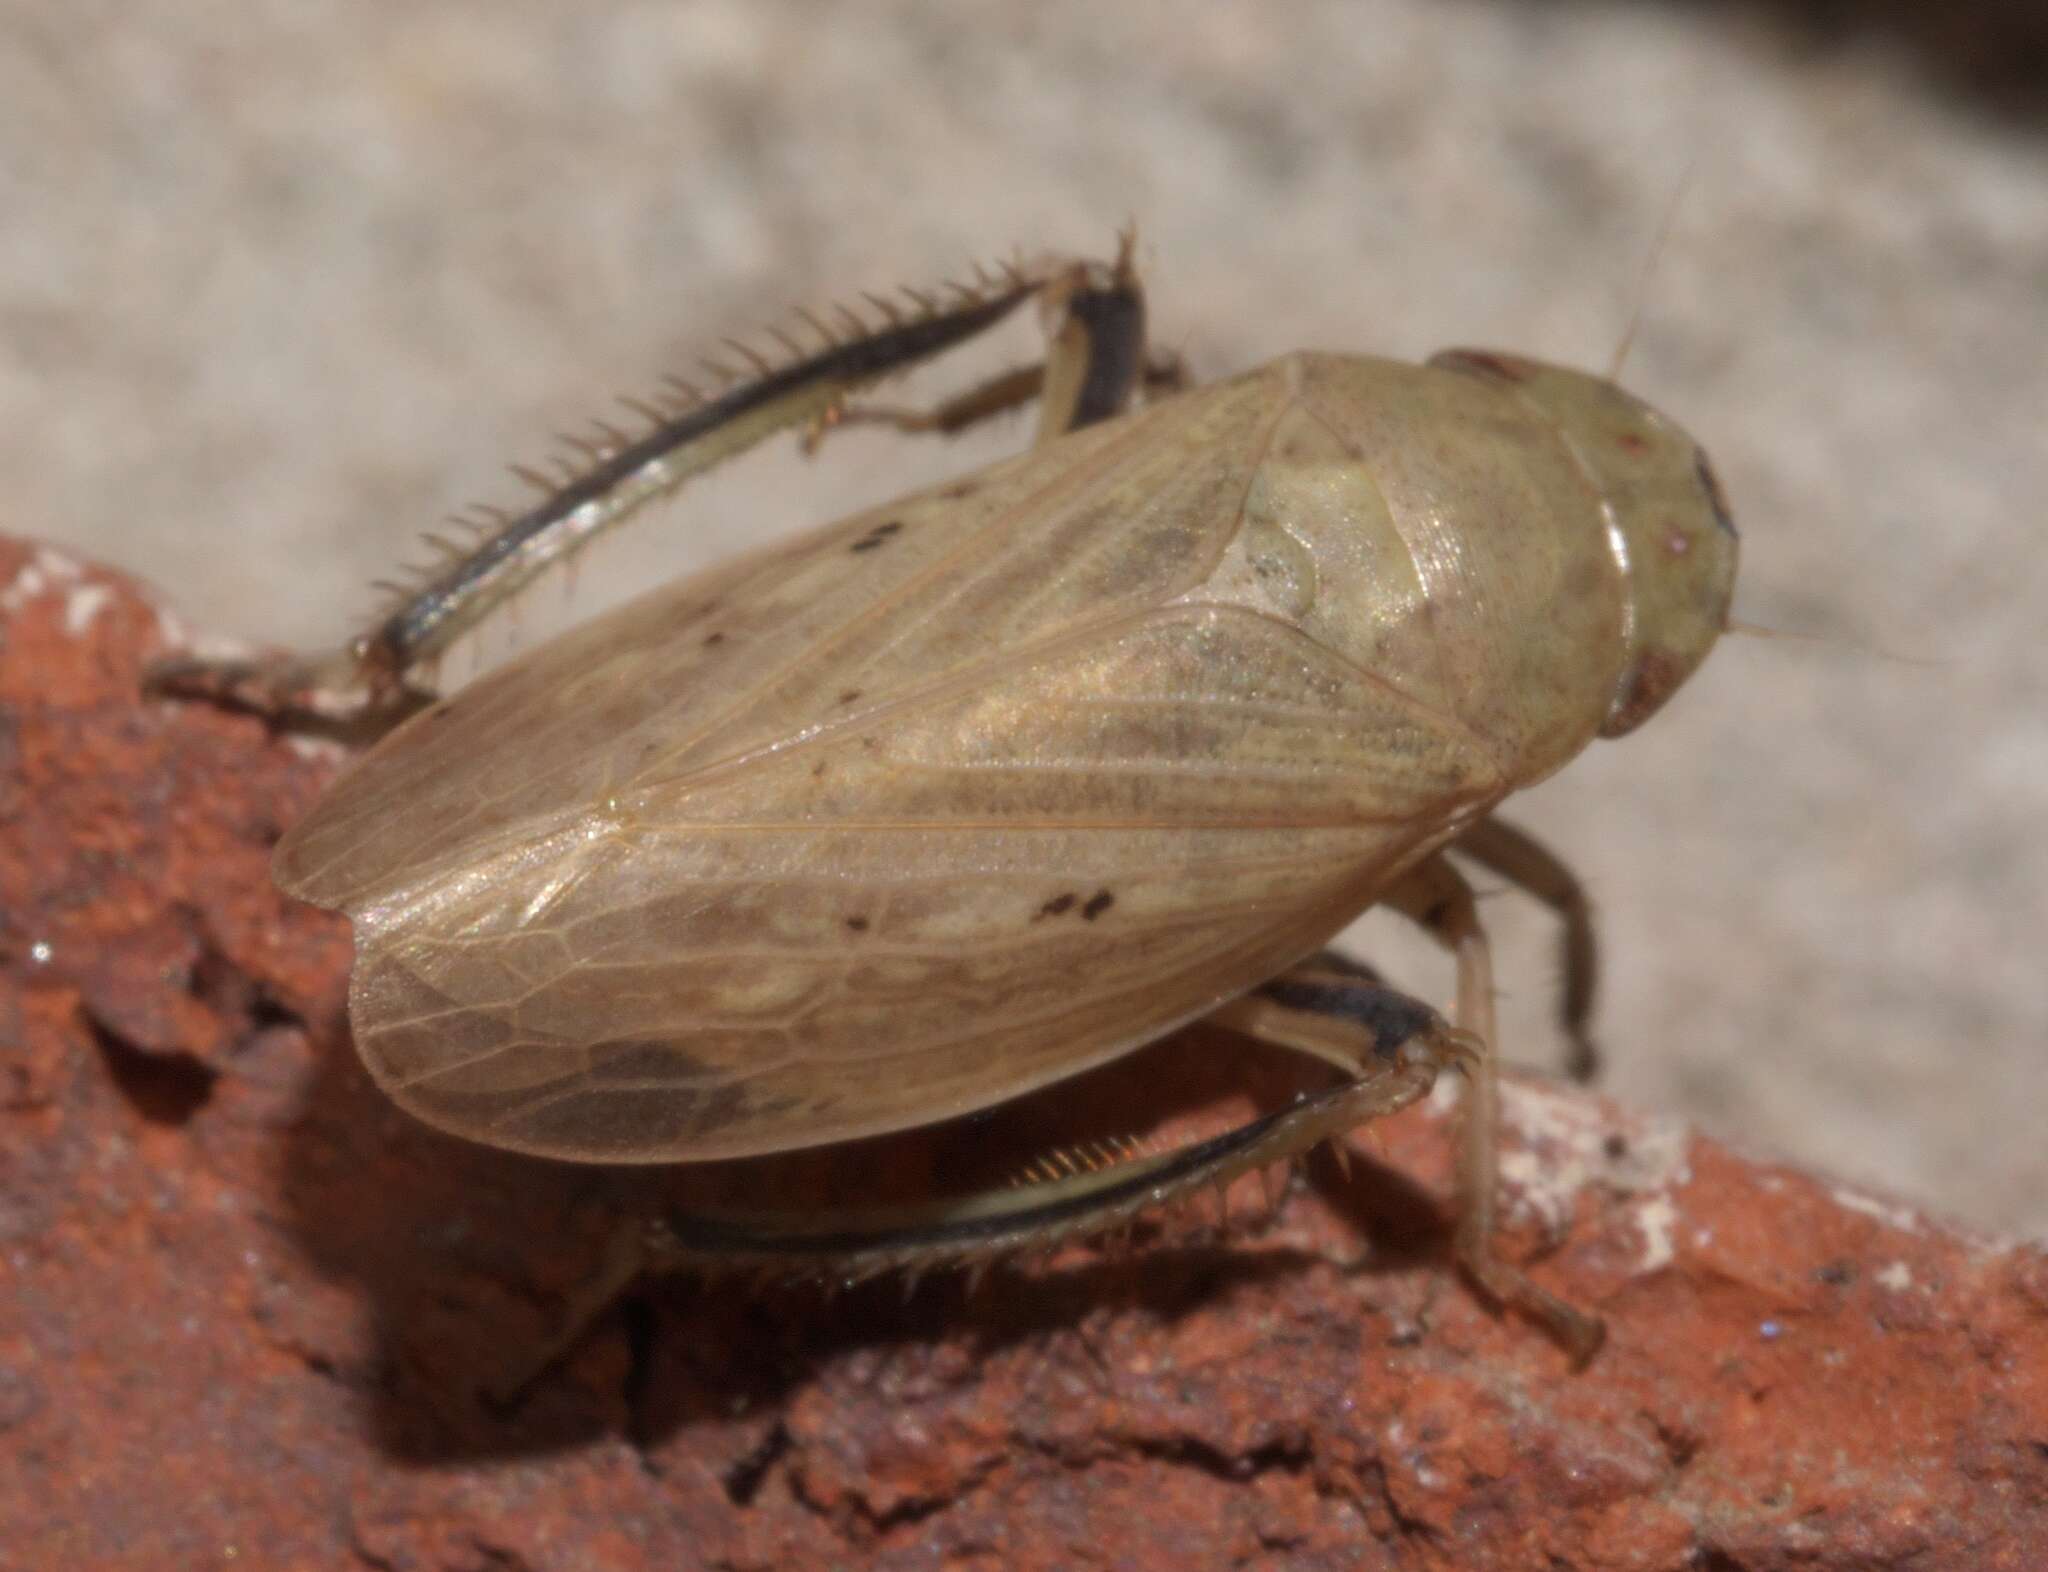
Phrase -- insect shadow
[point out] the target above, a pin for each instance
(471, 1258)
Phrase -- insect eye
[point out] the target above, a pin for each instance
(1710, 483)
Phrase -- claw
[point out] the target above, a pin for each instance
(339, 688)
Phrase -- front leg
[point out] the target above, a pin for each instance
(1535, 869)
(337, 693)
(1437, 897)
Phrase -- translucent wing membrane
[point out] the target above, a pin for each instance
(934, 806)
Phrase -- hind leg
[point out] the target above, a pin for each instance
(1095, 361)
(1388, 1047)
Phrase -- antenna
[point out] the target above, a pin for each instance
(1665, 225)
(1758, 630)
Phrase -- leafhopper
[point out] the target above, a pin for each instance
(942, 803)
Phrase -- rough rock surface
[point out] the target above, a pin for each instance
(247, 1308)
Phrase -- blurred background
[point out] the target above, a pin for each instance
(282, 284)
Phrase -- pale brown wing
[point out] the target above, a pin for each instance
(949, 834)
(1114, 518)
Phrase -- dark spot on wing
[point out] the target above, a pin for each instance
(857, 924)
(713, 638)
(1057, 905)
(849, 695)
(1098, 903)
(876, 536)
(636, 1059)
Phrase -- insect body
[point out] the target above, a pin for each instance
(961, 796)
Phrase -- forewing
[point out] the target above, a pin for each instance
(742, 660)
(923, 909)
(899, 820)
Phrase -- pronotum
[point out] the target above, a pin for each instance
(950, 800)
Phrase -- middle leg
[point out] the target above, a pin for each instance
(1096, 361)
(1536, 870)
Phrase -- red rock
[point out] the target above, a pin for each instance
(248, 1305)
